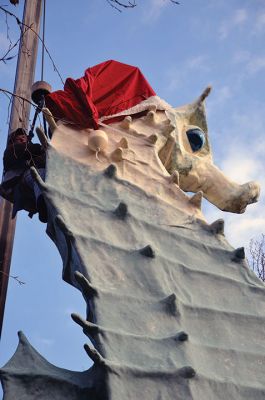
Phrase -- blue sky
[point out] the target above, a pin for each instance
(180, 49)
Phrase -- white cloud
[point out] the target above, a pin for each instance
(253, 63)
(250, 226)
(259, 23)
(44, 342)
(222, 94)
(256, 64)
(224, 30)
(239, 228)
(245, 152)
(175, 81)
(178, 77)
(154, 10)
(238, 18)
(218, 98)
(243, 164)
(241, 56)
(243, 161)
(47, 342)
(197, 62)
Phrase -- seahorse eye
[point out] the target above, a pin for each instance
(196, 138)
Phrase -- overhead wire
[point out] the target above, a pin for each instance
(41, 101)
(57, 117)
(21, 25)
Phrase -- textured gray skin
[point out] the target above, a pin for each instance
(29, 376)
(140, 303)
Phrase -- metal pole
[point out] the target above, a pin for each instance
(20, 112)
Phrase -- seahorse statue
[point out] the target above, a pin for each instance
(173, 311)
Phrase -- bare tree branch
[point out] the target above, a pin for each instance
(118, 4)
(7, 57)
(113, 3)
(16, 278)
(257, 256)
(23, 28)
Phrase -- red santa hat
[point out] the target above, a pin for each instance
(107, 90)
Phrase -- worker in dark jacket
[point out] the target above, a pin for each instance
(18, 185)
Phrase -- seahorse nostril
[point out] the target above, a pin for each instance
(254, 190)
(255, 199)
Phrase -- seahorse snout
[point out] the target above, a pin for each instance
(243, 195)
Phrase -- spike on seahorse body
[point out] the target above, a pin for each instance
(238, 254)
(187, 372)
(217, 227)
(152, 139)
(123, 143)
(151, 117)
(94, 355)
(126, 123)
(49, 118)
(122, 210)
(88, 327)
(171, 304)
(148, 251)
(196, 199)
(111, 171)
(88, 290)
(182, 336)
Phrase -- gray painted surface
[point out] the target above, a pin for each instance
(140, 303)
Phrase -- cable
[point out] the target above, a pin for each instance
(41, 102)
(21, 25)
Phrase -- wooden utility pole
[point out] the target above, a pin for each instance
(19, 118)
